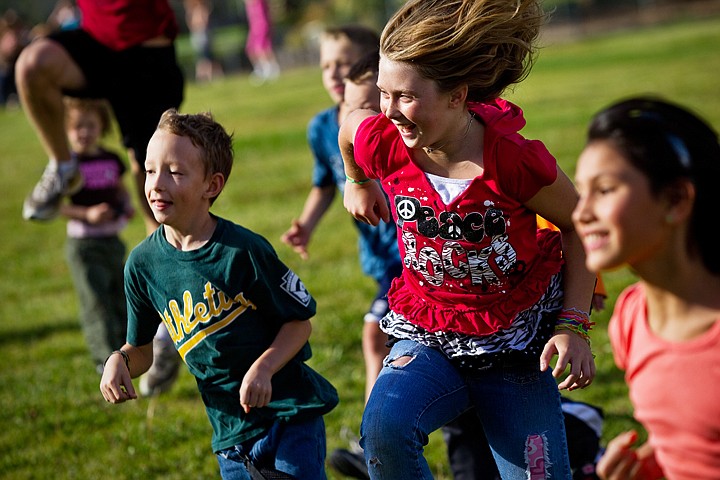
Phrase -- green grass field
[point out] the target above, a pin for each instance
(54, 421)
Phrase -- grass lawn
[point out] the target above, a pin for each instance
(55, 423)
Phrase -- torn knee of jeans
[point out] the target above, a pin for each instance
(374, 461)
(401, 361)
(536, 457)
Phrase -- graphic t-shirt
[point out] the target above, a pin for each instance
(472, 265)
(223, 305)
(102, 176)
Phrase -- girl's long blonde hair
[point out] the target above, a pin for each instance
(488, 44)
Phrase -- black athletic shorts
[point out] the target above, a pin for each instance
(140, 83)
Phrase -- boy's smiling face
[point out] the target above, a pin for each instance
(337, 55)
(176, 184)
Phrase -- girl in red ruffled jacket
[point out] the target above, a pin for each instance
(485, 299)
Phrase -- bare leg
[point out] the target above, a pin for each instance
(43, 70)
(374, 352)
(351, 462)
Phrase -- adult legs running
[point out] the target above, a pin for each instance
(43, 71)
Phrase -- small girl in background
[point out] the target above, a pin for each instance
(648, 180)
(96, 215)
(486, 299)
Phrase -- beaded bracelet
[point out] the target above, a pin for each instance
(576, 321)
(357, 182)
(123, 354)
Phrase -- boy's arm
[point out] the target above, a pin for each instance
(363, 198)
(256, 388)
(318, 201)
(116, 384)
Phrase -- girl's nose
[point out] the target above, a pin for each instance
(582, 211)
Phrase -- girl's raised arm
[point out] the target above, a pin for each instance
(363, 197)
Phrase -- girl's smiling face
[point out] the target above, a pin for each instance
(415, 104)
(619, 219)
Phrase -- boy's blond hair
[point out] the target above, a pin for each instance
(207, 135)
(365, 38)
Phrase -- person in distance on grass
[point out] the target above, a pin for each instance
(648, 179)
(239, 317)
(96, 214)
(259, 42)
(485, 296)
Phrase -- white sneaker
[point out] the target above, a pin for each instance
(43, 203)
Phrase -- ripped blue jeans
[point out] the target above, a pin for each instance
(419, 390)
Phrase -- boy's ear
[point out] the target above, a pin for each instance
(217, 183)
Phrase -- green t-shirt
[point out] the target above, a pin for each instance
(223, 305)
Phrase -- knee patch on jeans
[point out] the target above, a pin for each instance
(536, 457)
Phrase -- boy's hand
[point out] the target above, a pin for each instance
(256, 388)
(573, 350)
(298, 238)
(115, 384)
(366, 202)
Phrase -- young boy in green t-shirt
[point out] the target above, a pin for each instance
(238, 316)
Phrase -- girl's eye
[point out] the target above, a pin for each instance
(605, 189)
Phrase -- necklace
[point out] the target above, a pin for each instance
(467, 130)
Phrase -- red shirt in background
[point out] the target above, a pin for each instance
(121, 24)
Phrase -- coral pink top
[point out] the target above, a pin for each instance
(473, 265)
(674, 388)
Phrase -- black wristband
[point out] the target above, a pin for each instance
(124, 355)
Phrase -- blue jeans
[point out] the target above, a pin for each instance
(419, 390)
(295, 448)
